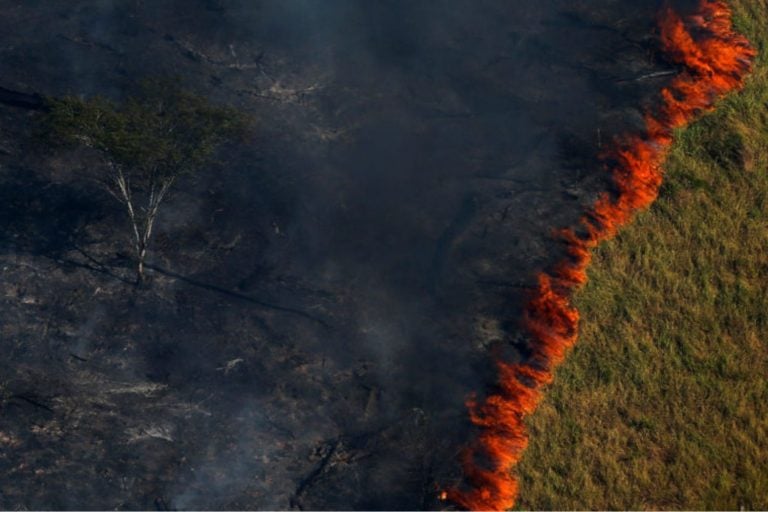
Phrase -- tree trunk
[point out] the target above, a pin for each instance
(140, 225)
(142, 255)
(140, 249)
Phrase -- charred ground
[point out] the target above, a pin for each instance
(324, 299)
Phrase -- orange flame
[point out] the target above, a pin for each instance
(714, 60)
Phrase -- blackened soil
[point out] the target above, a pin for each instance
(323, 299)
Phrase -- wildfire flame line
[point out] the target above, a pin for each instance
(714, 61)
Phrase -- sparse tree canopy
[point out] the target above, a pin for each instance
(147, 143)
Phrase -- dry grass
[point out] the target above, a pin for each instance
(664, 402)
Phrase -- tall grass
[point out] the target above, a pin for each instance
(663, 404)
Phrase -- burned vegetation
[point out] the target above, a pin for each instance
(323, 285)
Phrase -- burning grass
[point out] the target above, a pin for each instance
(663, 403)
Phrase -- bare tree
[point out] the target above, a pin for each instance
(147, 143)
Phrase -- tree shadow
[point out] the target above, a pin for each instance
(237, 295)
(44, 218)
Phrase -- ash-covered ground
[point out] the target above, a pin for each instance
(323, 299)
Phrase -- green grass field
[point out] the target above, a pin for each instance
(663, 404)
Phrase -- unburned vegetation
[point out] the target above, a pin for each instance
(664, 401)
